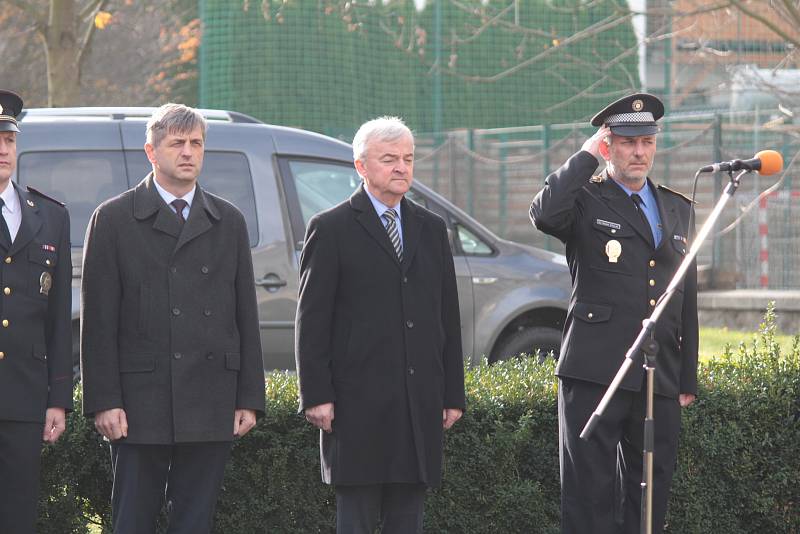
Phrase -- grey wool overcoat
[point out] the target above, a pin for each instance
(169, 322)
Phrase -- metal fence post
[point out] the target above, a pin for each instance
(471, 172)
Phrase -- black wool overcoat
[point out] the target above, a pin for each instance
(611, 298)
(381, 340)
(36, 304)
(169, 328)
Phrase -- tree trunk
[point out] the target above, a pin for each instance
(62, 44)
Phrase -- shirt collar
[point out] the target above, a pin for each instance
(11, 198)
(380, 207)
(645, 193)
(169, 197)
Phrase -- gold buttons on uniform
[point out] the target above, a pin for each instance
(8, 259)
(652, 302)
(2, 355)
(652, 263)
(652, 283)
(6, 290)
(590, 315)
(47, 262)
(5, 323)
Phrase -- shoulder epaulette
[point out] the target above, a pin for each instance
(684, 197)
(39, 193)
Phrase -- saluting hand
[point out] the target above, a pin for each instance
(243, 422)
(113, 423)
(685, 399)
(450, 416)
(321, 416)
(592, 145)
(55, 422)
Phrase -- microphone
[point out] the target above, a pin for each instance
(766, 162)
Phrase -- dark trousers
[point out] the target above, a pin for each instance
(397, 508)
(600, 479)
(20, 448)
(187, 476)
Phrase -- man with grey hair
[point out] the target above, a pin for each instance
(378, 339)
(170, 346)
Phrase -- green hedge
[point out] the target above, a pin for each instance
(739, 464)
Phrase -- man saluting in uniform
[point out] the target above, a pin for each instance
(625, 238)
(36, 334)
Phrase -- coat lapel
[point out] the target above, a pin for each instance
(147, 201)
(619, 201)
(368, 218)
(667, 213)
(412, 222)
(199, 221)
(31, 221)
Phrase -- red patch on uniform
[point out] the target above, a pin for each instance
(49, 248)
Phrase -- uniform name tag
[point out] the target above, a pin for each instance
(49, 248)
(679, 238)
(608, 224)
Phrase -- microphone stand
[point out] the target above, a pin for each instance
(649, 347)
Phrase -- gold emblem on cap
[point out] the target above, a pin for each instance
(613, 250)
(30, 202)
(45, 283)
(637, 105)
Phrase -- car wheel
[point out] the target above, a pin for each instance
(526, 341)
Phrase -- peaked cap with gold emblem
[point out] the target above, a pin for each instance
(10, 108)
(632, 115)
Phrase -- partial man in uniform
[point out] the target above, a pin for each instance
(170, 347)
(36, 332)
(625, 237)
(378, 343)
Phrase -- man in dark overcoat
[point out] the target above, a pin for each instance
(378, 342)
(625, 237)
(35, 330)
(171, 355)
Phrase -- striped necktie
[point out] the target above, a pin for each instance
(394, 235)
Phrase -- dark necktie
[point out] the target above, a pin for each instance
(179, 204)
(638, 202)
(394, 235)
(4, 228)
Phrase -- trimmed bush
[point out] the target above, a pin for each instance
(738, 472)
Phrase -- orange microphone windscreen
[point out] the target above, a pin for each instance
(771, 162)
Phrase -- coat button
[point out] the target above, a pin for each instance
(177, 355)
(405, 279)
(204, 269)
(207, 312)
(210, 356)
(410, 324)
(6, 290)
(411, 370)
(173, 269)
(590, 315)
(652, 283)
(8, 259)
(2, 355)
(176, 311)
(652, 302)
(5, 323)
(47, 262)
(613, 231)
(652, 263)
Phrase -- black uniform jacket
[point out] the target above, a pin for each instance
(381, 340)
(35, 305)
(169, 328)
(610, 299)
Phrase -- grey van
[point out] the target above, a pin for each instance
(512, 297)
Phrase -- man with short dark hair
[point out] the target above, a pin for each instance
(625, 238)
(170, 345)
(378, 344)
(35, 330)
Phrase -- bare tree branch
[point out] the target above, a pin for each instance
(766, 22)
(87, 17)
